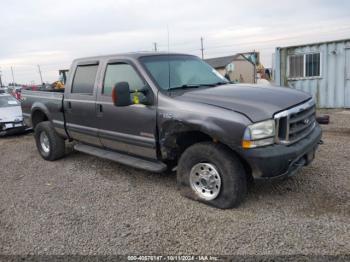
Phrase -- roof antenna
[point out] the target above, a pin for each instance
(167, 27)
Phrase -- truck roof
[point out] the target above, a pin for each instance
(134, 55)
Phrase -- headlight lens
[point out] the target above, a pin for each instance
(259, 134)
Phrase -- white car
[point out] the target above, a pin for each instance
(11, 118)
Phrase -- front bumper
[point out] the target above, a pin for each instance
(10, 128)
(282, 160)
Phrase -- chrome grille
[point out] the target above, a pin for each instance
(295, 123)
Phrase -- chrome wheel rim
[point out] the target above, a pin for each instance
(205, 180)
(44, 142)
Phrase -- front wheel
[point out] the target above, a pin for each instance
(50, 145)
(212, 174)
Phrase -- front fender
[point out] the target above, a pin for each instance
(228, 131)
(175, 116)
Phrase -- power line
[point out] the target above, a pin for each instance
(178, 44)
(339, 29)
(268, 41)
(234, 51)
(255, 43)
(343, 30)
(249, 45)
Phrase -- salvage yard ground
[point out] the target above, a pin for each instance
(85, 205)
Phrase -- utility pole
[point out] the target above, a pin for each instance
(13, 77)
(155, 47)
(202, 48)
(255, 61)
(41, 77)
(1, 78)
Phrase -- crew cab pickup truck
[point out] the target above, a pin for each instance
(166, 111)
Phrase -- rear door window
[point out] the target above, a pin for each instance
(84, 79)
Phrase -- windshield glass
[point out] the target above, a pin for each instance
(7, 101)
(176, 71)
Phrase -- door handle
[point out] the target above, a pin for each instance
(99, 110)
(67, 107)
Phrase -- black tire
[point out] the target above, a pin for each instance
(232, 174)
(56, 143)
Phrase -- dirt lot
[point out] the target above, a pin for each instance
(85, 205)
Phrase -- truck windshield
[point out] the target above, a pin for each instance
(8, 101)
(181, 71)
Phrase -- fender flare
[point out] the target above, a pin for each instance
(38, 107)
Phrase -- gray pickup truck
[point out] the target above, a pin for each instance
(165, 111)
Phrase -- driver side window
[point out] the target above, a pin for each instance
(121, 72)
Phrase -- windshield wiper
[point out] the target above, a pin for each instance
(216, 84)
(198, 85)
(184, 87)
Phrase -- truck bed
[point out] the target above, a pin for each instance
(48, 101)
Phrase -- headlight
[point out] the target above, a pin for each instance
(259, 134)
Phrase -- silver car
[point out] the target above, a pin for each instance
(11, 119)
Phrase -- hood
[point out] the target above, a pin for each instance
(256, 102)
(10, 114)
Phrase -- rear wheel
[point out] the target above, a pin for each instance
(212, 174)
(50, 145)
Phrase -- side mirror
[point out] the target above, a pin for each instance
(121, 94)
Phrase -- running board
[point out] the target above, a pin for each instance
(152, 166)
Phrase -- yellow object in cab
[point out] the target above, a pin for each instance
(136, 99)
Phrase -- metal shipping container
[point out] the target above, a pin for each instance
(321, 69)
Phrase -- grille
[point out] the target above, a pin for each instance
(295, 123)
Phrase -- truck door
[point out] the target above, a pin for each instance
(80, 104)
(129, 129)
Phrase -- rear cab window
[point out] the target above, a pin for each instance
(84, 79)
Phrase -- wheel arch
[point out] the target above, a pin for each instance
(39, 114)
(175, 137)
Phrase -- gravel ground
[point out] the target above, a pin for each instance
(85, 205)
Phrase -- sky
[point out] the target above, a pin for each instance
(53, 33)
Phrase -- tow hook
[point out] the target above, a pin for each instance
(320, 142)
